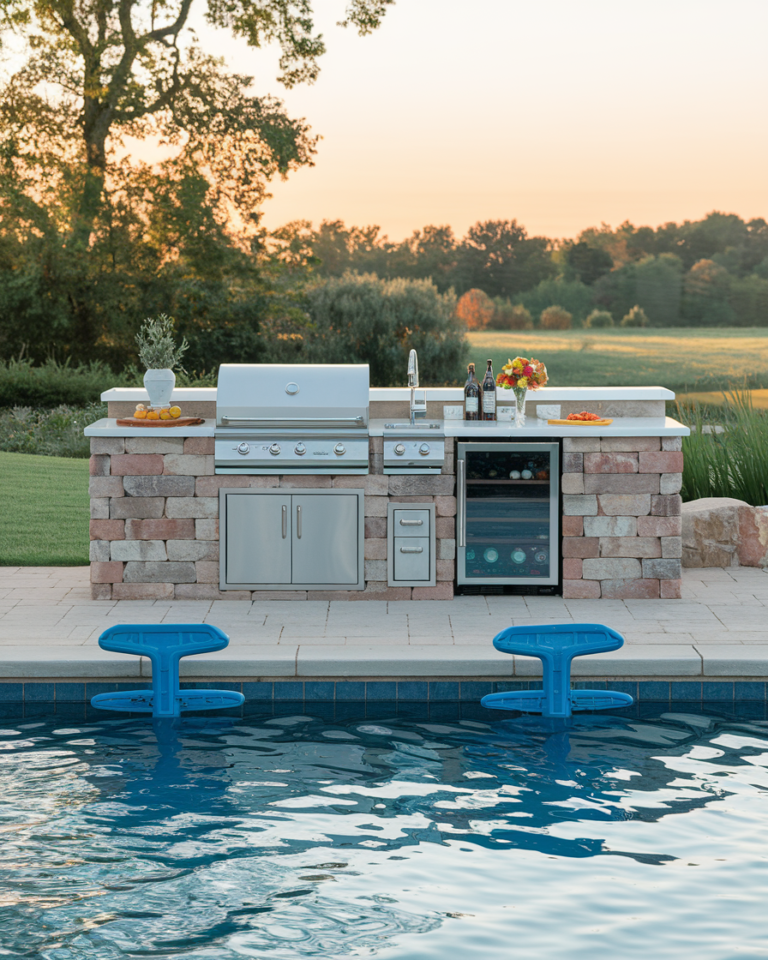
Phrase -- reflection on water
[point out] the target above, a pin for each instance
(288, 837)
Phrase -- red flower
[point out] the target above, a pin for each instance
(527, 370)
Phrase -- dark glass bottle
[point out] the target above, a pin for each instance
(489, 394)
(471, 395)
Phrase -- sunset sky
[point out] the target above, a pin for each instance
(556, 113)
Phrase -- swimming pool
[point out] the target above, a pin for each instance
(291, 837)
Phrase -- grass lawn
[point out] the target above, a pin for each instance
(684, 359)
(45, 511)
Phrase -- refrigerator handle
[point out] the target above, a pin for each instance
(461, 502)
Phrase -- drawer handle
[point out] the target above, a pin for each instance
(411, 549)
(411, 523)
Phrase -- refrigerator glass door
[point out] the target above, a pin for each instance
(509, 508)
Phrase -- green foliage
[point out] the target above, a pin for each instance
(599, 319)
(49, 433)
(510, 316)
(575, 297)
(52, 384)
(555, 318)
(362, 319)
(658, 284)
(748, 297)
(588, 263)
(157, 348)
(635, 318)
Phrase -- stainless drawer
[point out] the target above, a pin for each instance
(411, 559)
(410, 523)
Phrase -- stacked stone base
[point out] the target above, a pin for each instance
(622, 527)
(155, 529)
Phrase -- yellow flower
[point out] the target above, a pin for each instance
(522, 382)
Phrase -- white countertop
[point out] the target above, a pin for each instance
(621, 427)
(108, 428)
(140, 395)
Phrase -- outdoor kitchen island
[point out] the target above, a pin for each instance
(159, 504)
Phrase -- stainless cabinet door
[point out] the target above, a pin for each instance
(258, 539)
(325, 539)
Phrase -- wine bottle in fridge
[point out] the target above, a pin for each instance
(489, 394)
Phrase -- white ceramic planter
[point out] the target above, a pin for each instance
(159, 385)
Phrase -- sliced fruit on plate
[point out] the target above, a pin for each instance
(584, 415)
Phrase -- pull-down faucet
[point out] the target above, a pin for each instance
(418, 405)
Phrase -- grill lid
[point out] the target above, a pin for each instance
(276, 395)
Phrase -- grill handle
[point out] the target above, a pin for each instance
(461, 491)
(358, 421)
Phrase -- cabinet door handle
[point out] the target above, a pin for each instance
(285, 522)
(411, 549)
(298, 522)
(411, 523)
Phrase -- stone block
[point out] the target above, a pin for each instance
(670, 483)
(663, 461)
(193, 549)
(446, 570)
(316, 482)
(99, 551)
(625, 505)
(107, 529)
(443, 591)
(207, 571)
(572, 568)
(106, 487)
(422, 499)
(187, 465)
(137, 508)
(205, 530)
(581, 445)
(376, 445)
(638, 547)
(666, 506)
(144, 486)
(671, 548)
(99, 508)
(610, 526)
(581, 589)
(579, 506)
(375, 527)
(753, 536)
(449, 466)
(659, 526)
(445, 528)
(612, 569)
(106, 572)
(375, 590)
(376, 507)
(662, 569)
(142, 591)
(375, 569)
(138, 550)
(372, 485)
(162, 529)
(572, 526)
(621, 483)
(671, 589)
(572, 483)
(279, 594)
(450, 446)
(210, 591)
(101, 591)
(573, 463)
(629, 444)
(671, 443)
(199, 446)
(137, 465)
(99, 465)
(376, 549)
(376, 465)
(210, 486)
(159, 572)
(711, 532)
(195, 508)
(580, 547)
(414, 486)
(107, 445)
(445, 506)
(630, 589)
(156, 445)
(446, 549)
(610, 463)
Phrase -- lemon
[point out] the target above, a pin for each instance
(153, 415)
(165, 414)
(175, 412)
(140, 414)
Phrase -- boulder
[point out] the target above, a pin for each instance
(724, 532)
(753, 536)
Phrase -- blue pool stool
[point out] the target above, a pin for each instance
(556, 646)
(165, 644)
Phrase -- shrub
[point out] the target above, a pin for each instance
(555, 318)
(599, 319)
(52, 383)
(475, 309)
(575, 297)
(509, 316)
(49, 433)
(635, 318)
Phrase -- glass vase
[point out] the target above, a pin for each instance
(520, 394)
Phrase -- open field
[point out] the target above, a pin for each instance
(688, 359)
(44, 520)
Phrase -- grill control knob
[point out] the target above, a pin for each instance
(399, 449)
(299, 449)
(242, 448)
(339, 449)
(275, 449)
(424, 449)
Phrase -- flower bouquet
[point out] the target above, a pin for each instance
(520, 376)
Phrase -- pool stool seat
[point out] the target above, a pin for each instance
(556, 646)
(164, 644)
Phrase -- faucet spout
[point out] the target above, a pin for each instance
(413, 369)
(418, 404)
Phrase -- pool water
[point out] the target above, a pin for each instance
(291, 837)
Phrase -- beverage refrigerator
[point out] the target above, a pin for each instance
(507, 524)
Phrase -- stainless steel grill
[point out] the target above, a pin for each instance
(292, 419)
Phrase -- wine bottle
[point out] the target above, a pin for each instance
(471, 395)
(489, 394)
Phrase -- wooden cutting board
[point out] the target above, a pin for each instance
(580, 423)
(179, 422)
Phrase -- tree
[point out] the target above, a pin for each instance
(635, 318)
(707, 286)
(588, 263)
(500, 258)
(658, 285)
(475, 310)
